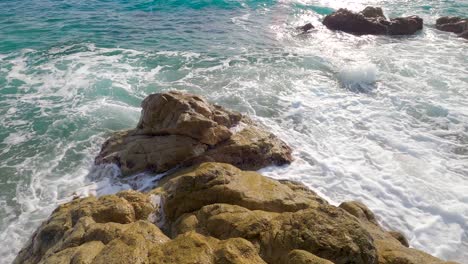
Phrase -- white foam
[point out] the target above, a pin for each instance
(16, 138)
(157, 216)
(401, 149)
(359, 77)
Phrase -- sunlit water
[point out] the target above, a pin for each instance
(382, 120)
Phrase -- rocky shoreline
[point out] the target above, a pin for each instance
(213, 208)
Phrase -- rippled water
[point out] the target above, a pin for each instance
(383, 120)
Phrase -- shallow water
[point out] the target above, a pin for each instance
(383, 120)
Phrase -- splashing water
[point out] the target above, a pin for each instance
(382, 120)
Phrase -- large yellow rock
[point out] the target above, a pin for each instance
(82, 221)
(134, 152)
(83, 254)
(183, 129)
(303, 257)
(177, 113)
(190, 189)
(192, 247)
(392, 246)
(252, 148)
(222, 201)
(214, 213)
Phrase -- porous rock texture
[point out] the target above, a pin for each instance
(180, 129)
(209, 212)
(215, 213)
(371, 21)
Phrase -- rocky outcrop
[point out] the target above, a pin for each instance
(184, 129)
(453, 24)
(176, 113)
(405, 25)
(215, 213)
(392, 246)
(373, 12)
(210, 212)
(305, 28)
(371, 21)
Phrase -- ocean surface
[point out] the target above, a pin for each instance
(382, 120)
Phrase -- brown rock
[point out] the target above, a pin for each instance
(176, 113)
(190, 189)
(464, 34)
(325, 232)
(84, 253)
(278, 217)
(135, 153)
(192, 247)
(373, 12)
(391, 246)
(405, 25)
(371, 21)
(215, 213)
(400, 237)
(355, 23)
(252, 148)
(452, 24)
(72, 226)
(303, 257)
(183, 129)
(359, 210)
(305, 27)
(394, 253)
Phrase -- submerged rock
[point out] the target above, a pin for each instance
(305, 27)
(215, 213)
(184, 129)
(371, 21)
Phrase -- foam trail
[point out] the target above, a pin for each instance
(371, 118)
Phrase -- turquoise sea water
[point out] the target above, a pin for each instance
(383, 120)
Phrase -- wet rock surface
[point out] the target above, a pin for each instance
(305, 28)
(464, 34)
(453, 24)
(206, 211)
(371, 21)
(180, 129)
(215, 213)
